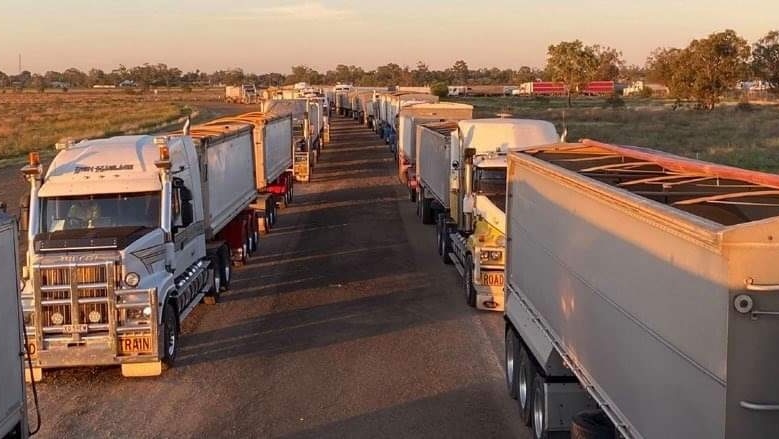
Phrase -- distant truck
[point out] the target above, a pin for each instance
(643, 284)
(599, 88)
(126, 235)
(540, 88)
(461, 175)
(242, 94)
(13, 403)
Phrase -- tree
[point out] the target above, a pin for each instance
(704, 70)
(460, 72)
(572, 63)
(610, 63)
(4, 80)
(765, 59)
(421, 75)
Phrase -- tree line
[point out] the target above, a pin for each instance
(702, 71)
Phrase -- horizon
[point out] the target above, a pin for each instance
(323, 34)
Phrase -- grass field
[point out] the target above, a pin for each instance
(729, 134)
(31, 121)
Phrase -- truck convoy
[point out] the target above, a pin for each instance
(461, 174)
(310, 128)
(13, 403)
(645, 284)
(126, 235)
(413, 115)
(387, 110)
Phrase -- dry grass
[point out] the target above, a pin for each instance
(728, 134)
(35, 121)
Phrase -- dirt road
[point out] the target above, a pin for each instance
(345, 324)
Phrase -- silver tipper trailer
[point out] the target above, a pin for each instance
(13, 421)
(645, 284)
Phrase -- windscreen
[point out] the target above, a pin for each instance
(100, 211)
(491, 182)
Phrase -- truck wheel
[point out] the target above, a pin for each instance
(512, 361)
(170, 335)
(444, 242)
(412, 195)
(592, 424)
(540, 428)
(525, 373)
(470, 291)
(225, 271)
(438, 242)
(212, 297)
(427, 211)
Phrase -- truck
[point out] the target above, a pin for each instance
(274, 180)
(599, 88)
(310, 128)
(125, 236)
(461, 188)
(643, 285)
(241, 94)
(413, 115)
(13, 402)
(541, 88)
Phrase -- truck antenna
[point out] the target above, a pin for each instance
(187, 124)
(565, 129)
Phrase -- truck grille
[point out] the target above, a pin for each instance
(87, 287)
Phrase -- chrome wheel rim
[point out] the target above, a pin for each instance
(538, 415)
(171, 341)
(522, 386)
(510, 361)
(217, 282)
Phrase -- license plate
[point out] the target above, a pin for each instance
(77, 329)
(492, 278)
(134, 344)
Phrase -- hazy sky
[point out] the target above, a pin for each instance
(272, 35)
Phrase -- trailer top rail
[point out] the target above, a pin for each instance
(722, 194)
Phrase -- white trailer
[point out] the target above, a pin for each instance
(13, 407)
(410, 117)
(241, 94)
(125, 236)
(645, 284)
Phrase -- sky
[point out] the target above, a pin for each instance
(272, 35)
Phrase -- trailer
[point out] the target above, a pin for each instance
(542, 88)
(413, 115)
(643, 284)
(126, 235)
(309, 130)
(461, 174)
(272, 136)
(599, 88)
(13, 403)
(390, 105)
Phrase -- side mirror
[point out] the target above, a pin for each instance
(187, 213)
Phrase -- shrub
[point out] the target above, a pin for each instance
(645, 92)
(440, 89)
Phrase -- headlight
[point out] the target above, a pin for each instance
(134, 314)
(132, 279)
(484, 255)
(496, 255)
(147, 311)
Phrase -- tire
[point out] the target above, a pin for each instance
(444, 242)
(170, 335)
(438, 242)
(511, 361)
(412, 195)
(526, 371)
(470, 291)
(212, 296)
(592, 424)
(427, 211)
(225, 269)
(540, 420)
(290, 193)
